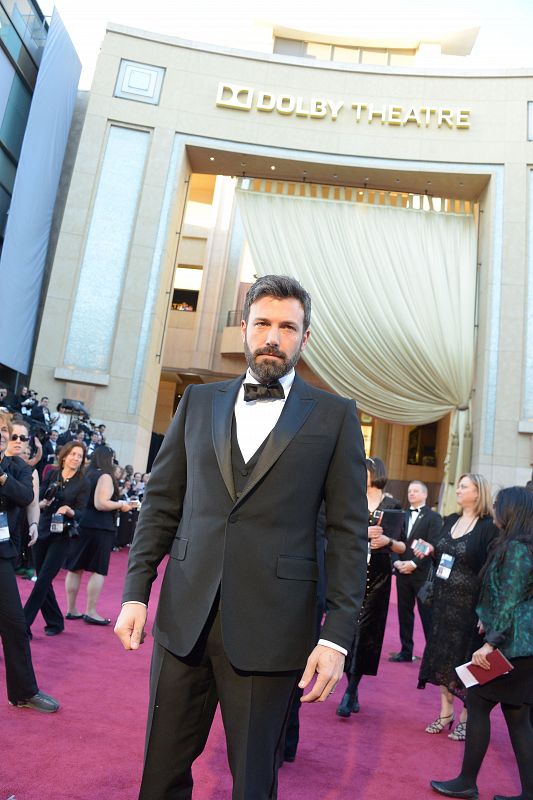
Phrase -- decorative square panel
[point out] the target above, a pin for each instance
(141, 82)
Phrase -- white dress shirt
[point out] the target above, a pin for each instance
(256, 419)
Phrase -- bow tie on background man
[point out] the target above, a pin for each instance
(260, 391)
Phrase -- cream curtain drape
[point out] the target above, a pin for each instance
(393, 298)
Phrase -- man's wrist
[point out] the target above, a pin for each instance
(327, 643)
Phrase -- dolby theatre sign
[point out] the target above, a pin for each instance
(246, 98)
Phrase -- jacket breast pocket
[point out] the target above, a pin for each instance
(179, 548)
(297, 569)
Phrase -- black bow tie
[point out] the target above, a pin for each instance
(414, 510)
(258, 391)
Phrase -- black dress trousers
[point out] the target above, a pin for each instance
(20, 677)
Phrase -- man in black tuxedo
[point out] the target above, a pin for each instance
(411, 572)
(233, 498)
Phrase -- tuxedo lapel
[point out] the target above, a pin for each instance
(223, 407)
(297, 408)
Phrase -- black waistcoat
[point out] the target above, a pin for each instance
(241, 469)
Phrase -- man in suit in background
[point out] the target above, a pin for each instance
(233, 498)
(411, 572)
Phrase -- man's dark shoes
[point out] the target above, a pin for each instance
(49, 631)
(94, 621)
(349, 704)
(396, 657)
(39, 702)
(455, 788)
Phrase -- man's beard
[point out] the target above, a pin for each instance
(271, 370)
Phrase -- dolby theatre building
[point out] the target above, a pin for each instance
(399, 194)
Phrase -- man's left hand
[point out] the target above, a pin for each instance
(328, 664)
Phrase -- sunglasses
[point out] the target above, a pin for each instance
(15, 436)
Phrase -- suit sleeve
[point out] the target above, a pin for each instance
(346, 531)
(161, 509)
(18, 488)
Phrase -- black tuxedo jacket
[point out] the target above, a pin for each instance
(428, 527)
(258, 548)
(16, 493)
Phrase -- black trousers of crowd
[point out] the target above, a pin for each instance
(407, 590)
(49, 556)
(20, 677)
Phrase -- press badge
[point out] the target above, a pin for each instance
(4, 527)
(445, 566)
(56, 523)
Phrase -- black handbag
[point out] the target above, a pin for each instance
(425, 593)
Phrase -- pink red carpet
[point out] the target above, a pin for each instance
(92, 748)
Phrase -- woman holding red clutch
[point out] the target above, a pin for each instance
(505, 611)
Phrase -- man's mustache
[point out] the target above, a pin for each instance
(269, 351)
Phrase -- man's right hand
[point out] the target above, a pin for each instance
(130, 625)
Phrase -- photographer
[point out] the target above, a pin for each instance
(64, 495)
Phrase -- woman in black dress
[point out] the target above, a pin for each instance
(505, 612)
(63, 497)
(366, 650)
(92, 549)
(454, 636)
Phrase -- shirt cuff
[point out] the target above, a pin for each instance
(413, 563)
(333, 646)
(134, 602)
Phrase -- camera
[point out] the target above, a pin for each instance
(51, 491)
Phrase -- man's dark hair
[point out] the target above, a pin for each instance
(278, 286)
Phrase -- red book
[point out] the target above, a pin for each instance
(499, 665)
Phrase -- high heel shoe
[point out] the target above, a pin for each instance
(440, 723)
(459, 732)
(349, 703)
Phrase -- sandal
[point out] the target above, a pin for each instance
(440, 723)
(459, 732)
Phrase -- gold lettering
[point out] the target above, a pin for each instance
(317, 108)
(285, 104)
(412, 116)
(231, 95)
(335, 107)
(463, 118)
(445, 115)
(393, 117)
(301, 111)
(376, 112)
(358, 108)
(265, 101)
(428, 111)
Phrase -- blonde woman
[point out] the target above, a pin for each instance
(458, 558)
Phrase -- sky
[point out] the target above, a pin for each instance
(505, 39)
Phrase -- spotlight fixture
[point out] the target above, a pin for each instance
(335, 176)
(211, 158)
(272, 167)
(397, 180)
(428, 183)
